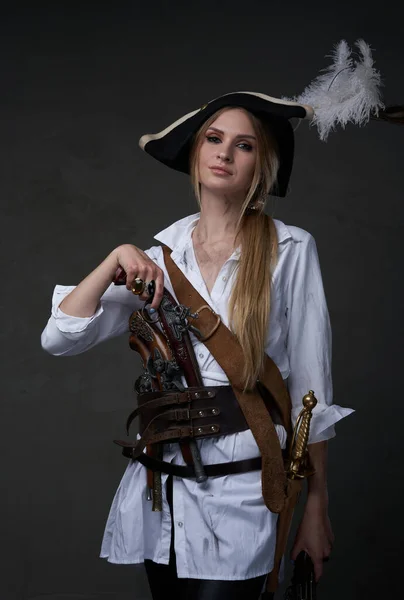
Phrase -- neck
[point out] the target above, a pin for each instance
(219, 217)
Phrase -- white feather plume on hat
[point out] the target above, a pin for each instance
(348, 91)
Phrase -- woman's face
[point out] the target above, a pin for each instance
(227, 153)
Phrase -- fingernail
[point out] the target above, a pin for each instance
(152, 310)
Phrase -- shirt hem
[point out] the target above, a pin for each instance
(185, 574)
(132, 561)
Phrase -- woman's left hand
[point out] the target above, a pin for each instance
(314, 536)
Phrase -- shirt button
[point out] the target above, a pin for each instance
(201, 355)
(224, 278)
(180, 523)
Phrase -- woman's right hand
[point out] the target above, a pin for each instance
(136, 263)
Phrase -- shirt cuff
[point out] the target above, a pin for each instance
(323, 421)
(69, 325)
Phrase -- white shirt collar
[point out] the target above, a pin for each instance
(178, 236)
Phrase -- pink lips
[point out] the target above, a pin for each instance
(219, 170)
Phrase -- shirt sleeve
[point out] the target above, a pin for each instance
(309, 341)
(66, 335)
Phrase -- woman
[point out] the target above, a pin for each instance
(262, 277)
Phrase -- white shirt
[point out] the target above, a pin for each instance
(223, 530)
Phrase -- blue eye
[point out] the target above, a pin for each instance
(212, 137)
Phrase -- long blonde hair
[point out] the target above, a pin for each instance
(249, 303)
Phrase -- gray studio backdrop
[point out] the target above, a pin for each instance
(79, 87)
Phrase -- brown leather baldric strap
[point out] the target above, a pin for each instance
(225, 348)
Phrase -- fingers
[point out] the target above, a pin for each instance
(158, 294)
(295, 552)
(318, 568)
(135, 271)
(149, 275)
(318, 561)
(119, 277)
(137, 264)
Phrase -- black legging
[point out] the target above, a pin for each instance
(164, 582)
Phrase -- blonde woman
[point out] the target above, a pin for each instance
(217, 540)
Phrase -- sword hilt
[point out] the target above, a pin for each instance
(299, 467)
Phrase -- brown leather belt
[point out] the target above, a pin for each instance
(206, 401)
(213, 409)
(174, 416)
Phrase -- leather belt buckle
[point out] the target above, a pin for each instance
(215, 326)
(182, 414)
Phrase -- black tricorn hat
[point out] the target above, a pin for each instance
(172, 145)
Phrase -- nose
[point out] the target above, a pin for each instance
(224, 156)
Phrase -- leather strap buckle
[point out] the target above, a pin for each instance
(182, 414)
(215, 326)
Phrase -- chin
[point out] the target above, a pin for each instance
(220, 190)
(217, 184)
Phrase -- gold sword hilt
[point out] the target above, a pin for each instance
(298, 466)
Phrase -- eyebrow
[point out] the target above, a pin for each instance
(241, 135)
